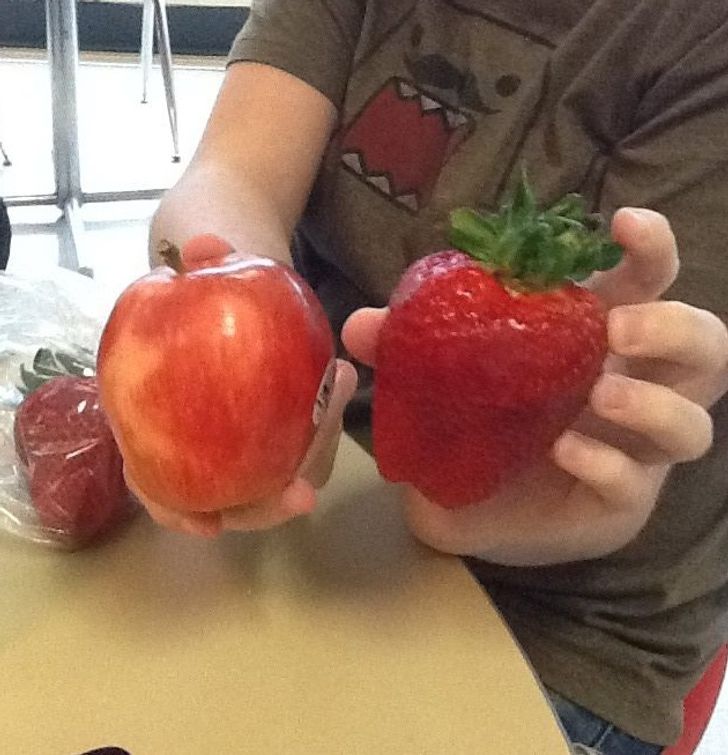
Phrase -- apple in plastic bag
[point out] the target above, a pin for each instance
(213, 371)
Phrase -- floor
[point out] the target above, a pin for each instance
(124, 145)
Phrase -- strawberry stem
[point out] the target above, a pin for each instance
(171, 256)
(532, 247)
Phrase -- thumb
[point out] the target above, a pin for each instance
(316, 466)
(360, 333)
(650, 262)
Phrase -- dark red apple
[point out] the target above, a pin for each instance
(212, 372)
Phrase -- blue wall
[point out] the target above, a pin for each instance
(117, 27)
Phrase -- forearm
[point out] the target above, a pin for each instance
(258, 157)
(227, 202)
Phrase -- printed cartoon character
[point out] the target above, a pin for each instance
(401, 141)
(407, 131)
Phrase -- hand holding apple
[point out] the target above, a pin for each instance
(215, 373)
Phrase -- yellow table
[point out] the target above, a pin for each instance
(337, 634)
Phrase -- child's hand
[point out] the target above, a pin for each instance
(669, 363)
(297, 499)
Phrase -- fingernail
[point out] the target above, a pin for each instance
(620, 328)
(202, 529)
(640, 214)
(565, 443)
(636, 226)
(299, 497)
(211, 530)
(190, 528)
(610, 392)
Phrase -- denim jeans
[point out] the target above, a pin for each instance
(591, 735)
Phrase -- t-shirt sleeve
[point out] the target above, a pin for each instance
(314, 40)
(675, 160)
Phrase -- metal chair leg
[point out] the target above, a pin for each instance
(6, 159)
(165, 54)
(147, 44)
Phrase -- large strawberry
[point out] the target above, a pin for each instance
(490, 349)
(69, 456)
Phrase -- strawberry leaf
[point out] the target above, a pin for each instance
(536, 248)
(48, 364)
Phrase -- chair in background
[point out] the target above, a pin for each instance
(154, 18)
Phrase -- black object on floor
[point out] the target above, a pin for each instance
(5, 235)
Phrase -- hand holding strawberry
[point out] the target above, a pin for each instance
(490, 350)
(598, 486)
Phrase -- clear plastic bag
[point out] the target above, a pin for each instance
(61, 480)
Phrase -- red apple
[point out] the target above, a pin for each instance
(212, 372)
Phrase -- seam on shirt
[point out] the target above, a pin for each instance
(597, 171)
(387, 35)
(337, 23)
(262, 60)
(500, 22)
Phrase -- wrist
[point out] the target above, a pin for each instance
(208, 201)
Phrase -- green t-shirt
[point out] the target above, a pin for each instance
(626, 101)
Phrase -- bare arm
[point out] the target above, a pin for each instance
(250, 177)
(248, 182)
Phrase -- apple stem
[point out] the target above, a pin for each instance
(171, 256)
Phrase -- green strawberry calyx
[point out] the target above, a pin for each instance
(49, 364)
(535, 249)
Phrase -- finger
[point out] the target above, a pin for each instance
(618, 480)
(316, 466)
(204, 247)
(650, 263)
(201, 524)
(207, 524)
(298, 499)
(319, 462)
(361, 333)
(670, 331)
(433, 524)
(672, 429)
